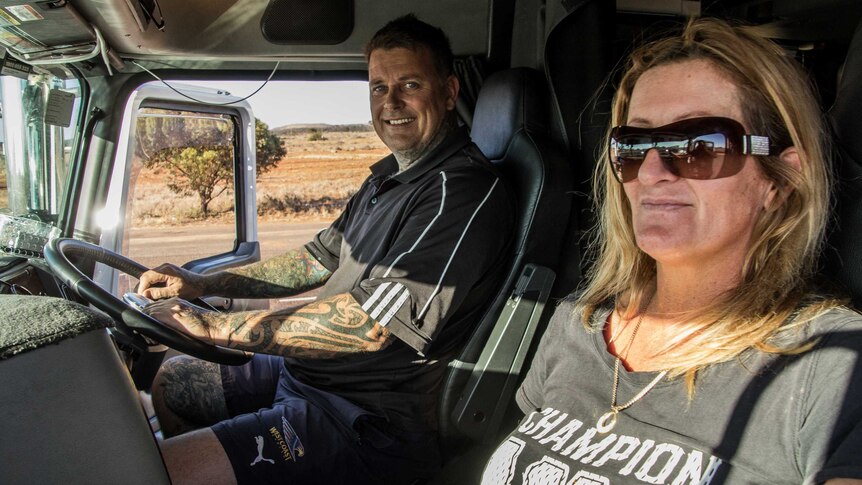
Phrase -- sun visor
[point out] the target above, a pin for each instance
(321, 22)
(37, 29)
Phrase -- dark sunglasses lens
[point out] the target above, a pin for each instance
(704, 157)
(627, 154)
(690, 149)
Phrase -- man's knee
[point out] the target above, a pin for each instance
(197, 457)
(190, 389)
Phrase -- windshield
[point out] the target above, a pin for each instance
(38, 121)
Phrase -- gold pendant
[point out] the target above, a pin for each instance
(607, 422)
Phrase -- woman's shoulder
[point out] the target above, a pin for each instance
(567, 321)
(570, 309)
(822, 329)
(566, 305)
(832, 334)
(839, 319)
(563, 316)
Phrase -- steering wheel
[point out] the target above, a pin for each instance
(127, 317)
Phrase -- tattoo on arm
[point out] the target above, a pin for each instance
(288, 274)
(191, 389)
(326, 328)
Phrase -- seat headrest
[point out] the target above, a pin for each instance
(509, 101)
(845, 113)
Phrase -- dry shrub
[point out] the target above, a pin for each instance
(156, 205)
(291, 206)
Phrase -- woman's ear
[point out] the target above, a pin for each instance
(776, 196)
(790, 156)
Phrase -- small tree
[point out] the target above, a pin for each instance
(269, 147)
(200, 171)
(197, 153)
(316, 135)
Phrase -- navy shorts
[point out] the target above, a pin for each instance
(279, 435)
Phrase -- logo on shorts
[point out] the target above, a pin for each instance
(293, 443)
(260, 458)
(289, 444)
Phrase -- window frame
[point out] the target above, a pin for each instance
(246, 248)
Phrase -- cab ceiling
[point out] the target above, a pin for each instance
(223, 33)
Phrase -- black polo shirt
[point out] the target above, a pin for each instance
(422, 252)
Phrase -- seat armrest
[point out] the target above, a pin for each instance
(493, 379)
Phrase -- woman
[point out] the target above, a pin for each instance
(697, 351)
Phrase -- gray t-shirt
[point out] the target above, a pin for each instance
(759, 419)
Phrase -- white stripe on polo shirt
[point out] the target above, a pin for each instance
(366, 307)
(455, 250)
(384, 303)
(427, 228)
(394, 308)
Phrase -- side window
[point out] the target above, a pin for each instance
(180, 202)
(38, 122)
(314, 144)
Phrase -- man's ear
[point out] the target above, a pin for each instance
(776, 196)
(452, 88)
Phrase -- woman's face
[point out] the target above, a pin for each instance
(679, 221)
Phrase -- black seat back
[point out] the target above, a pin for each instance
(844, 258)
(510, 125)
(581, 95)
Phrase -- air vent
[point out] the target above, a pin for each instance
(323, 22)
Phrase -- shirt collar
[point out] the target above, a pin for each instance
(388, 166)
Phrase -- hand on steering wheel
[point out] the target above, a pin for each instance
(126, 316)
(176, 281)
(181, 315)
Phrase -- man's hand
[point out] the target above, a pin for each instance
(182, 316)
(177, 282)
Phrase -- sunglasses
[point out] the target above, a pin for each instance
(697, 148)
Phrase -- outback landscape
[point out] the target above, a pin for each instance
(323, 166)
(300, 195)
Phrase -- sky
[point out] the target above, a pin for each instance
(282, 103)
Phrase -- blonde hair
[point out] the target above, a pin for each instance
(777, 101)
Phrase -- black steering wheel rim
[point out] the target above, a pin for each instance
(56, 254)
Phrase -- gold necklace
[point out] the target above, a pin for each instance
(608, 420)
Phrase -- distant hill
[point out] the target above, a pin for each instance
(322, 127)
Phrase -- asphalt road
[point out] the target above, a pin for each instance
(155, 245)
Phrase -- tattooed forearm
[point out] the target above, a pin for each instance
(327, 328)
(292, 272)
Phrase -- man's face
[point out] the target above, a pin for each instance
(409, 99)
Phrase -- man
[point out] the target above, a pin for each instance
(348, 388)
